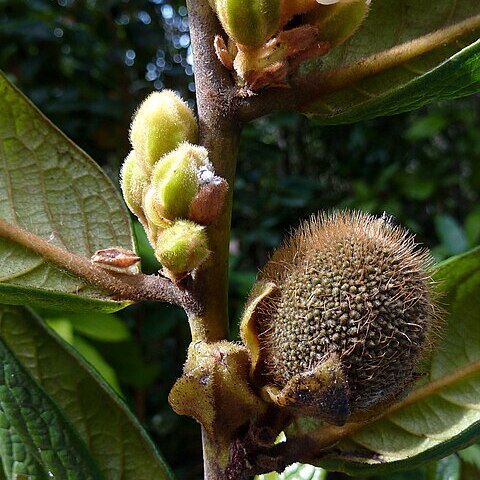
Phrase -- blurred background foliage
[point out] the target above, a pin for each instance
(88, 63)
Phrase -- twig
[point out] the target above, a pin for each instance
(121, 287)
(219, 132)
(213, 83)
(307, 88)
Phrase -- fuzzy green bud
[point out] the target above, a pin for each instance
(249, 23)
(175, 182)
(182, 248)
(133, 181)
(162, 122)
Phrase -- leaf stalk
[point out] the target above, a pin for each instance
(120, 287)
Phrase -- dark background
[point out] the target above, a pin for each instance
(87, 64)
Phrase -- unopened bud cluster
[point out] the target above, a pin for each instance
(169, 183)
(263, 48)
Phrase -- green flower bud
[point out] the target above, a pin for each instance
(176, 179)
(133, 181)
(341, 318)
(160, 124)
(338, 21)
(249, 23)
(182, 248)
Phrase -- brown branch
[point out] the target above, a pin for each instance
(309, 87)
(219, 132)
(213, 82)
(306, 447)
(121, 287)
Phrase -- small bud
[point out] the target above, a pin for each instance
(117, 259)
(133, 181)
(341, 318)
(338, 21)
(249, 23)
(176, 180)
(223, 53)
(182, 248)
(270, 65)
(207, 204)
(160, 124)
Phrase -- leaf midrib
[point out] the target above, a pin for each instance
(342, 77)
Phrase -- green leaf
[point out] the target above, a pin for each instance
(471, 455)
(113, 437)
(63, 328)
(417, 188)
(92, 355)
(426, 127)
(470, 458)
(372, 74)
(35, 438)
(97, 326)
(150, 264)
(470, 462)
(52, 189)
(127, 360)
(446, 420)
(451, 234)
(448, 468)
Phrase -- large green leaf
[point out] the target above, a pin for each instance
(51, 188)
(48, 368)
(447, 419)
(361, 84)
(35, 438)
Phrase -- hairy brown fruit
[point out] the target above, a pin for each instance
(352, 289)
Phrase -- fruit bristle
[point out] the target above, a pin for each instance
(357, 286)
